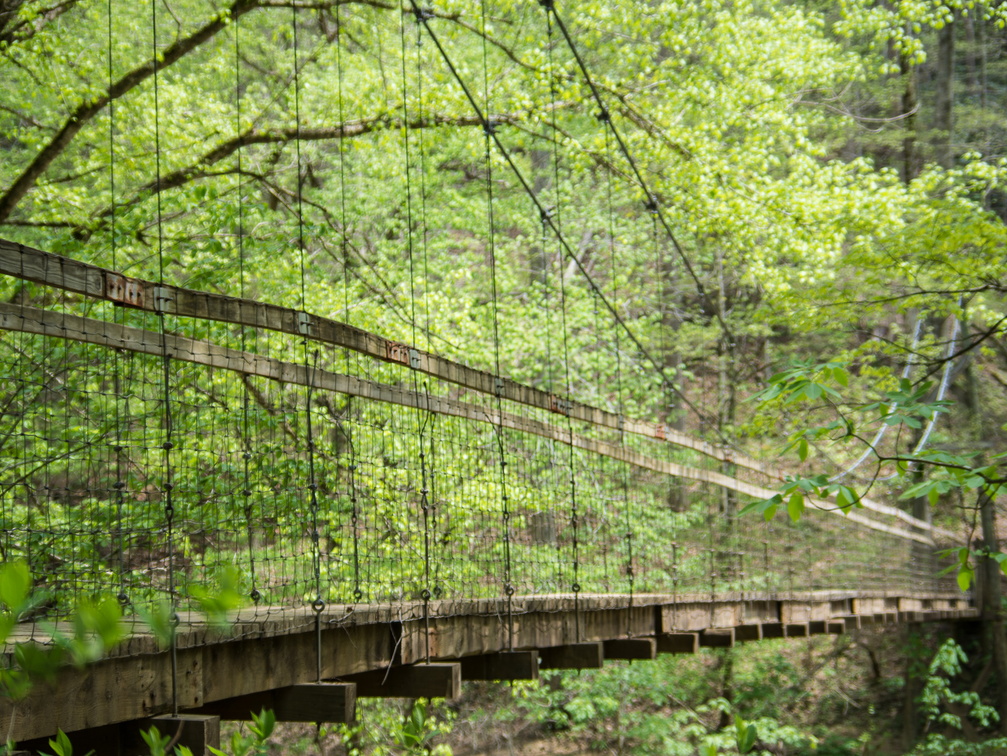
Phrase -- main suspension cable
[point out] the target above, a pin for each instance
(490, 129)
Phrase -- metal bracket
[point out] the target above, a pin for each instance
(123, 290)
(499, 386)
(304, 324)
(559, 405)
(395, 352)
(414, 359)
(162, 297)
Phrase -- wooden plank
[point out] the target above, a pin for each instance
(744, 633)
(678, 643)
(797, 630)
(507, 665)
(573, 656)
(434, 680)
(773, 630)
(326, 703)
(720, 637)
(630, 648)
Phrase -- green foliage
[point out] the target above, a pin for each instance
(939, 696)
(61, 746)
(255, 743)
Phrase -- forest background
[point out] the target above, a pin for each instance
(831, 174)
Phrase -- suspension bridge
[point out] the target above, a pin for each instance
(318, 512)
(396, 540)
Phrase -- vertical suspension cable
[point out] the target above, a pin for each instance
(246, 455)
(624, 478)
(120, 484)
(556, 219)
(345, 255)
(161, 305)
(310, 365)
(422, 418)
(488, 129)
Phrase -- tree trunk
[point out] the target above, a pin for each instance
(943, 123)
(909, 105)
(994, 630)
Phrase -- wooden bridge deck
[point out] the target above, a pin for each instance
(270, 648)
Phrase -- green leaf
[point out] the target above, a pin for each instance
(795, 506)
(802, 449)
(745, 734)
(965, 575)
(15, 585)
(61, 745)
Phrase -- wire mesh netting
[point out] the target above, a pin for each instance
(151, 455)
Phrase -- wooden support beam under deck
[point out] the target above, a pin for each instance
(797, 630)
(507, 665)
(573, 656)
(773, 630)
(438, 680)
(678, 643)
(630, 648)
(718, 637)
(326, 702)
(751, 632)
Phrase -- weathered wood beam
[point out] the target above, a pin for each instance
(678, 643)
(718, 637)
(630, 648)
(507, 665)
(328, 703)
(773, 630)
(573, 656)
(435, 680)
(751, 632)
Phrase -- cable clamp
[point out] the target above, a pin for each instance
(489, 128)
(547, 4)
(422, 15)
(547, 212)
(163, 299)
(559, 405)
(304, 324)
(604, 116)
(499, 386)
(414, 359)
(650, 205)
